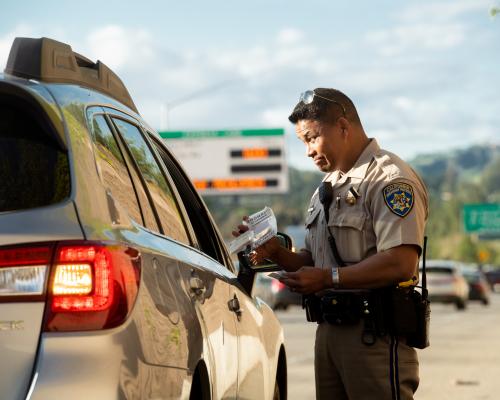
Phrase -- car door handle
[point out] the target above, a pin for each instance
(197, 285)
(234, 306)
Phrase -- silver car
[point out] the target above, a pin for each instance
(446, 283)
(114, 281)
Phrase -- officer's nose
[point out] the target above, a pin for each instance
(310, 151)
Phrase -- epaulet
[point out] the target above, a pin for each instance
(390, 164)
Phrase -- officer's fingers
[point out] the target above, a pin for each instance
(243, 228)
(290, 282)
(255, 258)
(293, 275)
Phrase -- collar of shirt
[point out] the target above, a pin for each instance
(361, 165)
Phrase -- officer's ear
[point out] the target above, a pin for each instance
(345, 125)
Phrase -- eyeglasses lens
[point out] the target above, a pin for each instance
(307, 97)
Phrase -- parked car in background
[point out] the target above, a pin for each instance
(446, 284)
(114, 280)
(493, 277)
(283, 297)
(276, 294)
(298, 235)
(479, 288)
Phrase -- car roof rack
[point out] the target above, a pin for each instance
(48, 60)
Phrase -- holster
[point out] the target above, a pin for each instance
(312, 304)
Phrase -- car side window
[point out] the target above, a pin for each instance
(162, 196)
(113, 169)
(207, 237)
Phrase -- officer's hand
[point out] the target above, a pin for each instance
(241, 228)
(307, 280)
(268, 250)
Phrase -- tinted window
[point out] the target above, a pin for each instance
(439, 270)
(112, 167)
(165, 203)
(205, 234)
(34, 172)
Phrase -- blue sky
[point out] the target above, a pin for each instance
(424, 74)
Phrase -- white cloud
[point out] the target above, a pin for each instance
(288, 52)
(275, 117)
(289, 36)
(121, 48)
(403, 103)
(411, 38)
(444, 11)
(6, 40)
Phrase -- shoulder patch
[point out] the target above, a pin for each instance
(399, 198)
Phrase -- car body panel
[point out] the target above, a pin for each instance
(20, 325)
(44, 224)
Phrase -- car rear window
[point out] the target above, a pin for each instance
(33, 170)
(439, 270)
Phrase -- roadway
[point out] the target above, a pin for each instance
(462, 363)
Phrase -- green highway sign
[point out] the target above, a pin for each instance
(481, 218)
(226, 133)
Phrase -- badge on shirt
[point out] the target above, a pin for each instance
(399, 198)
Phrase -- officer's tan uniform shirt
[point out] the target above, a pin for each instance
(391, 209)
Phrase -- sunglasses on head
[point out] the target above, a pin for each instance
(307, 97)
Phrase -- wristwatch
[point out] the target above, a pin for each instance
(335, 277)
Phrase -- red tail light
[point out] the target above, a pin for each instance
(277, 286)
(480, 288)
(87, 285)
(24, 256)
(92, 286)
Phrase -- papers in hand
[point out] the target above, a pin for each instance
(262, 226)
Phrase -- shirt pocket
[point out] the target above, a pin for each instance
(348, 230)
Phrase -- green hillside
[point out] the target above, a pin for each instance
(463, 176)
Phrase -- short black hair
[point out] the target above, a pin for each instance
(323, 110)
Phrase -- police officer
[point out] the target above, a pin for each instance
(377, 219)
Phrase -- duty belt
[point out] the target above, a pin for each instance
(349, 307)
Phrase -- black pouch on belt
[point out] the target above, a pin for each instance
(342, 307)
(402, 318)
(312, 304)
(420, 338)
(410, 316)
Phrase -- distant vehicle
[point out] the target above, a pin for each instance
(298, 235)
(262, 289)
(479, 288)
(276, 294)
(446, 284)
(283, 297)
(493, 278)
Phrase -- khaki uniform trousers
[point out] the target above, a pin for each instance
(345, 368)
